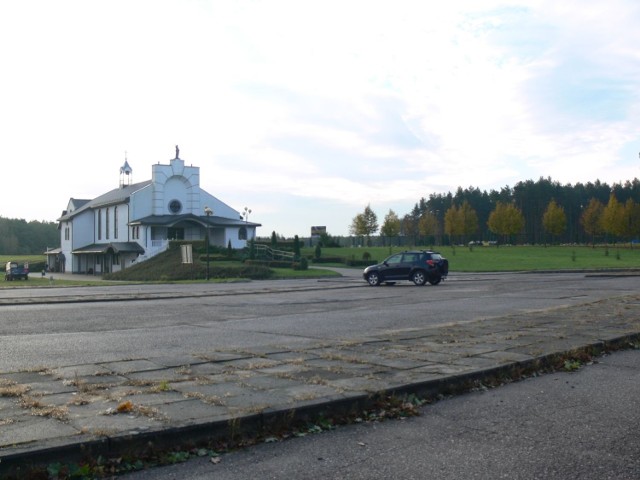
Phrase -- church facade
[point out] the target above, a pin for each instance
(136, 221)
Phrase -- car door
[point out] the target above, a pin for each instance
(408, 261)
(392, 267)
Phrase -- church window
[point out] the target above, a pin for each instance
(175, 206)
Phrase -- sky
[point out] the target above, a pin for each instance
(308, 111)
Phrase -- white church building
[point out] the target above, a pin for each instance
(136, 221)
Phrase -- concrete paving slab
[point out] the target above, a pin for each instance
(105, 425)
(208, 368)
(74, 371)
(29, 429)
(177, 361)
(269, 382)
(189, 409)
(218, 390)
(131, 366)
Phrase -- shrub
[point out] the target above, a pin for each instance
(303, 264)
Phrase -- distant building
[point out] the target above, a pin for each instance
(318, 230)
(136, 221)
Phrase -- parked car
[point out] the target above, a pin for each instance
(419, 266)
(15, 272)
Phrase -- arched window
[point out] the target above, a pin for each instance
(242, 233)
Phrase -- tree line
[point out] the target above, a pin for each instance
(531, 212)
(19, 237)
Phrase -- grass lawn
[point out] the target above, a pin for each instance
(511, 258)
(20, 259)
(283, 273)
(36, 280)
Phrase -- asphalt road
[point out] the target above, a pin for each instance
(291, 313)
(581, 425)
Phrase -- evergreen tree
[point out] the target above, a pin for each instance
(296, 248)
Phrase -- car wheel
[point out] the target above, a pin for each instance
(373, 279)
(435, 280)
(419, 277)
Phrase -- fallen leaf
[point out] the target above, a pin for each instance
(216, 460)
(125, 407)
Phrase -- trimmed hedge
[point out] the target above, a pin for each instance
(329, 260)
(360, 263)
(270, 263)
(192, 272)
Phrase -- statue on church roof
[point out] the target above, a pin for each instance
(177, 152)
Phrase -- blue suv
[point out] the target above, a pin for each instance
(419, 266)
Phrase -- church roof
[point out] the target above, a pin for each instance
(213, 221)
(117, 247)
(115, 196)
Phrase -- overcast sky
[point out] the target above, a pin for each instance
(307, 111)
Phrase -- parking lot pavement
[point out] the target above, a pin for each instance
(104, 409)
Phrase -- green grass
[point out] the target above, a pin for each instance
(511, 258)
(36, 280)
(284, 273)
(21, 259)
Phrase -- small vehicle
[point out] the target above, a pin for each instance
(419, 266)
(15, 272)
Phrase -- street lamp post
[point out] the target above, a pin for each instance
(245, 215)
(208, 212)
